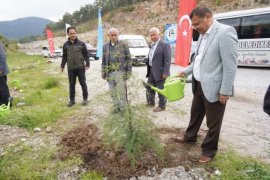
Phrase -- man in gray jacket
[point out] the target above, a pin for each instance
(158, 69)
(116, 69)
(4, 91)
(214, 71)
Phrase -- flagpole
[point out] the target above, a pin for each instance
(100, 35)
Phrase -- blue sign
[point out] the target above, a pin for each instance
(170, 33)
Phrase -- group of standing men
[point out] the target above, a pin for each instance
(116, 67)
(213, 69)
(213, 72)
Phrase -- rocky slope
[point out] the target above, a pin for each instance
(141, 18)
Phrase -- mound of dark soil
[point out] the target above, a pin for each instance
(86, 142)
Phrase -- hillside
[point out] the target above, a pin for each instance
(23, 27)
(140, 18)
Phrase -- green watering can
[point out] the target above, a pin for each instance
(173, 88)
(4, 109)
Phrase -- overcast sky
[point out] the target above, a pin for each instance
(49, 9)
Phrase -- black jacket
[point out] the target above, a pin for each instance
(75, 55)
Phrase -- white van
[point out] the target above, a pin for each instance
(137, 46)
(46, 52)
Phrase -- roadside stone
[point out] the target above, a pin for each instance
(20, 104)
(177, 173)
(145, 178)
(199, 173)
(148, 172)
(23, 139)
(48, 130)
(70, 173)
(37, 129)
(153, 172)
(218, 173)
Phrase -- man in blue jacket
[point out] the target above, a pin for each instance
(4, 91)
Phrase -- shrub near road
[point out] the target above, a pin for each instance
(40, 92)
(37, 88)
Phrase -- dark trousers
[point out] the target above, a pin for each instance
(72, 75)
(214, 114)
(150, 94)
(4, 91)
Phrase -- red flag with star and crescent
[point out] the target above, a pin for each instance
(184, 33)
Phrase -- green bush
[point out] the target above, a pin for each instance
(51, 82)
(128, 9)
(233, 166)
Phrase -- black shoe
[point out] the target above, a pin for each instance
(150, 105)
(71, 103)
(85, 102)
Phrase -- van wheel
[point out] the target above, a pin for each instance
(96, 58)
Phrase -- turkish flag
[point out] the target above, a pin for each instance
(50, 41)
(184, 33)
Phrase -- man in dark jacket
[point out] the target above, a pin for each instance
(266, 103)
(116, 69)
(4, 91)
(77, 59)
(158, 69)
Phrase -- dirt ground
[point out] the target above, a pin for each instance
(86, 142)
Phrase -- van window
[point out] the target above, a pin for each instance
(255, 27)
(133, 43)
(44, 48)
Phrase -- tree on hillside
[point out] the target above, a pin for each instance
(67, 18)
(89, 12)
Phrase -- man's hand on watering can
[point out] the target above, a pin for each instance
(223, 99)
(182, 75)
(164, 76)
